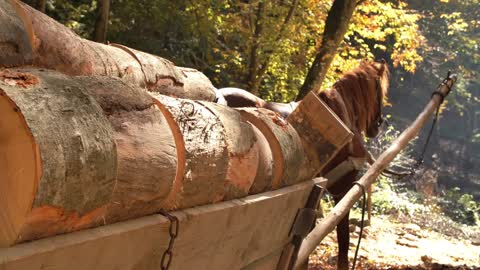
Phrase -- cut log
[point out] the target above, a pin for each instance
(242, 151)
(205, 155)
(196, 86)
(323, 134)
(147, 155)
(15, 39)
(285, 144)
(54, 46)
(85, 151)
(58, 158)
(80, 185)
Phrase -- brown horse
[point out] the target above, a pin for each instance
(357, 99)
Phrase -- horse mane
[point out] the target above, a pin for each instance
(354, 97)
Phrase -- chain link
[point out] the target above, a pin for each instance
(173, 232)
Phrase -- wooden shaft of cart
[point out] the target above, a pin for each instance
(329, 223)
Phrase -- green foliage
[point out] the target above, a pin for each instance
(391, 199)
(451, 31)
(394, 197)
(460, 207)
(221, 38)
(387, 199)
(380, 29)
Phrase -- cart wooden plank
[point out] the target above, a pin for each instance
(226, 235)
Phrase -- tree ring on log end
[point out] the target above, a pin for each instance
(20, 167)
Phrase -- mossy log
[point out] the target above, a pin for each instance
(29, 37)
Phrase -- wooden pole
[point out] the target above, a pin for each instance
(329, 223)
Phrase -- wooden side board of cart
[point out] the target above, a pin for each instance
(247, 233)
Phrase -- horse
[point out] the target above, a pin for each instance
(357, 98)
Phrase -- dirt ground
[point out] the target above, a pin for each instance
(389, 245)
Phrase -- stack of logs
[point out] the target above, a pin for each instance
(92, 134)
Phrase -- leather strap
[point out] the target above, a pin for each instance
(349, 165)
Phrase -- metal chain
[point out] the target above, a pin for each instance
(173, 231)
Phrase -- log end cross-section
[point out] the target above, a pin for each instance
(322, 133)
(58, 156)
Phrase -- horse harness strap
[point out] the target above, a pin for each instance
(379, 120)
(349, 165)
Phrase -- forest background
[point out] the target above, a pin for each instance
(268, 47)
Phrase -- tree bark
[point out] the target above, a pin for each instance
(54, 46)
(59, 160)
(41, 5)
(336, 26)
(217, 153)
(264, 176)
(16, 40)
(242, 151)
(146, 148)
(101, 24)
(92, 151)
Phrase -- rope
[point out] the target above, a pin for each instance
(420, 159)
(362, 222)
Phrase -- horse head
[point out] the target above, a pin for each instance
(381, 89)
(363, 91)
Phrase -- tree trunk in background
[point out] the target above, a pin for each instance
(254, 82)
(335, 28)
(41, 5)
(255, 52)
(100, 31)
